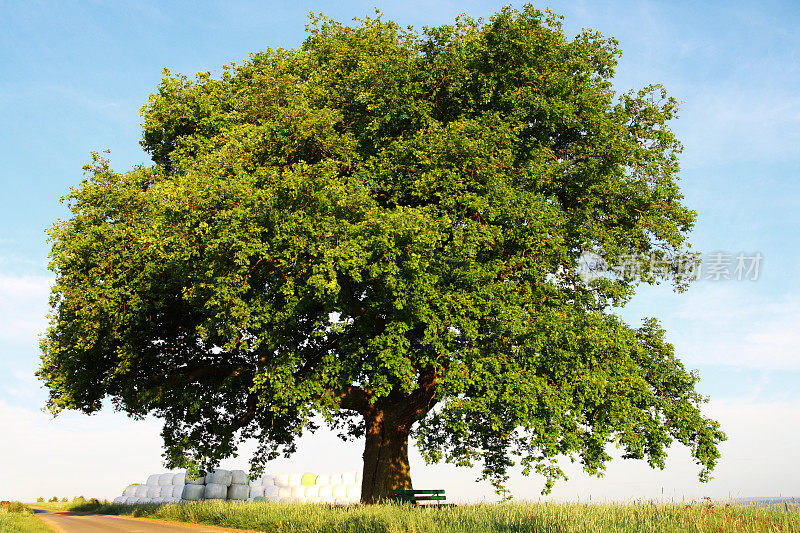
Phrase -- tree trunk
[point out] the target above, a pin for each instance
(385, 454)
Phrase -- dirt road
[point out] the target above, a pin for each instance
(69, 522)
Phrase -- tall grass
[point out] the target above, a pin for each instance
(505, 518)
(17, 518)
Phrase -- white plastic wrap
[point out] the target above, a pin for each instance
(339, 491)
(336, 479)
(326, 491)
(130, 491)
(353, 491)
(299, 493)
(256, 491)
(153, 492)
(238, 491)
(312, 491)
(179, 478)
(349, 478)
(216, 491)
(239, 477)
(284, 494)
(165, 479)
(268, 479)
(141, 491)
(196, 481)
(219, 477)
(193, 493)
(271, 493)
(324, 478)
(295, 479)
(281, 480)
(177, 491)
(119, 500)
(152, 480)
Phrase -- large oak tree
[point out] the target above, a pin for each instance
(381, 231)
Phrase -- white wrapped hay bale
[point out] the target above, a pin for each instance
(299, 493)
(284, 494)
(179, 478)
(153, 492)
(193, 493)
(256, 491)
(141, 491)
(349, 478)
(130, 491)
(336, 479)
(165, 479)
(177, 491)
(312, 493)
(239, 477)
(216, 491)
(325, 493)
(152, 480)
(353, 491)
(238, 491)
(119, 500)
(339, 491)
(219, 477)
(295, 479)
(131, 501)
(268, 479)
(281, 480)
(324, 479)
(271, 493)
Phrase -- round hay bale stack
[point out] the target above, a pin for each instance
(165, 479)
(141, 491)
(152, 480)
(179, 478)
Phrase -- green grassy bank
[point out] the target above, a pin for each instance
(505, 518)
(18, 518)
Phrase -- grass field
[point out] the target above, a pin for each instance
(17, 518)
(495, 518)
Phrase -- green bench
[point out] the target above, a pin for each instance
(418, 497)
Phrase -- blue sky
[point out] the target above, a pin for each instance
(73, 76)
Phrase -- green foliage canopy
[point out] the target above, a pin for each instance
(385, 219)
